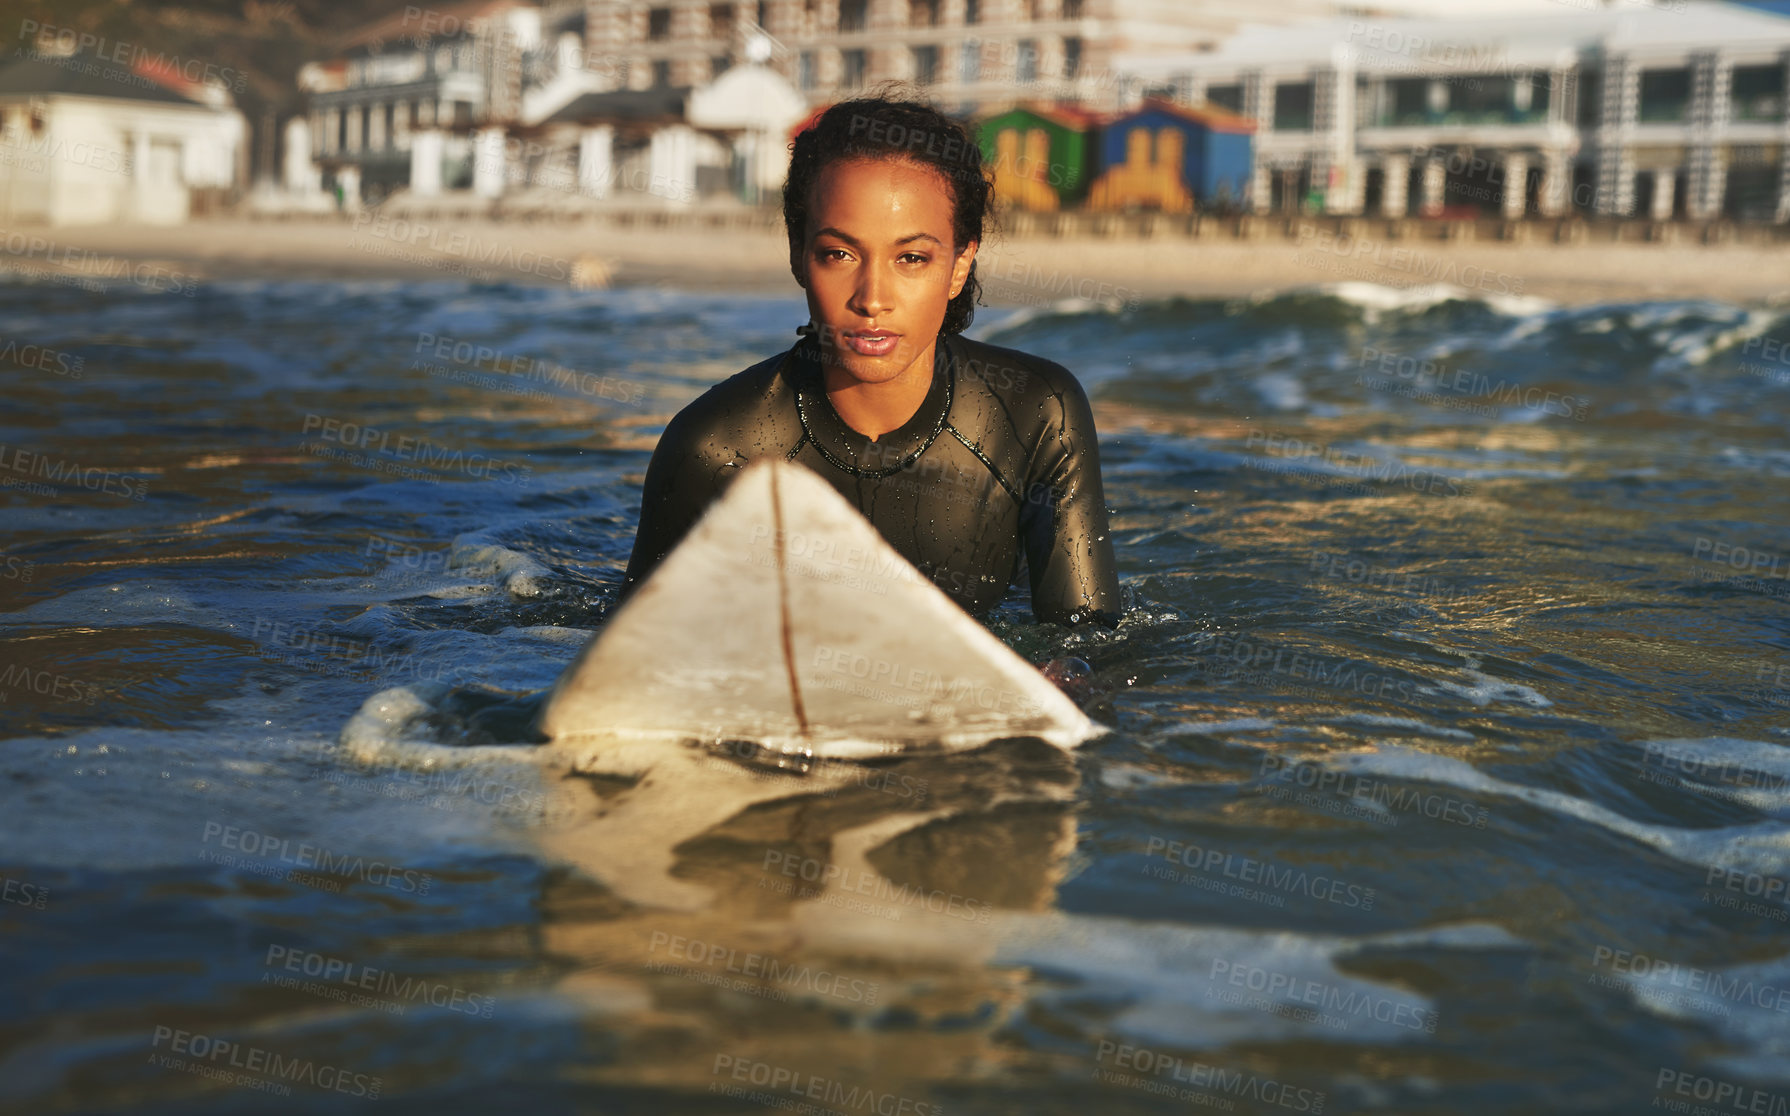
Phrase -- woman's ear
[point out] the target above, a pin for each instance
(960, 268)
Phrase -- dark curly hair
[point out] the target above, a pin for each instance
(892, 123)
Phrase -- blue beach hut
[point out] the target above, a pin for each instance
(1166, 157)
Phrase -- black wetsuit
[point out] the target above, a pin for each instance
(999, 463)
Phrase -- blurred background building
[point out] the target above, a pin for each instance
(1506, 107)
(688, 99)
(1658, 111)
(85, 139)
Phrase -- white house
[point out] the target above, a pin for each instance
(84, 140)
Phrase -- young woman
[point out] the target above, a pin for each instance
(968, 458)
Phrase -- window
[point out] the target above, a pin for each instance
(1071, 9)
(1758, 92)
(852, 14)
(1591, 102)
(923, 13)
(1028, 62)
(1665, 95)
(1407, 102)
(761, 15)
(926, 65)
(1540, 94)
(720, 20)
(1292, 106)
(969, 62)
(661, 73)
(852, 68)
(805, 70)
(658, 24)
(1484, 99)
(717, 65)
(1072, 58)
(1227, 97)
(972, 11)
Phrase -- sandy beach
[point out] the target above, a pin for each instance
(1015, 269)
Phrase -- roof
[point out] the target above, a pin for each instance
(79, 76)
(665, 102)
(446, 20)
(1073, 117)
(1210, 117)
(1412, 46)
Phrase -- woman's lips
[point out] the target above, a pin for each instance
(872, 343)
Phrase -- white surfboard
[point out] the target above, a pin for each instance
(785, 619)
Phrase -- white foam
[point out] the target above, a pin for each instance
(1125, 776)
(520, 575)
(1762, 848)
(1754, 773)
(1690, 349)
(1745, 1003)
(1374, 297)
(1280, 390)
(1176, 981)
(1382, 720)
(1482, 689)
(1239, 724)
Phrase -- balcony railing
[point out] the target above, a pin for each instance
(1759, 110)
(1444, 119)
(1668, 112)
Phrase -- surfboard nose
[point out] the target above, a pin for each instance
(785, 619)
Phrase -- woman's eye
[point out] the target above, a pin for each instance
(834, 254)
(913, 258)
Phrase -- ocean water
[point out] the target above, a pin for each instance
(1448, 772)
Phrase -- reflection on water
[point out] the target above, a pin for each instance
(792, 921)
(1447, 774)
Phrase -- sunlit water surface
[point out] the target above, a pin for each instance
(1448, 767)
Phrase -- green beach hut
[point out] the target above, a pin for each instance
(1039, 154)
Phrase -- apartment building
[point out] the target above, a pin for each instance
(495, 95)
(1675, 109)
(970, 55)
(431, 77)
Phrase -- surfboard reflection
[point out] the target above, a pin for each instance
(717, 916)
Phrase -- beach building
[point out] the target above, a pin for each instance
(678, 100)
(420, 99)
(1164, 157)
(1659, 112)
(723, 139)
(85, 140)
(1041, 155)
(500, 97)
(972, 56)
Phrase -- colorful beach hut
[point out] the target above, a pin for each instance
(1039, 155)
(1162, 156)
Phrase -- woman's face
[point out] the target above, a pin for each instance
(878, 265)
